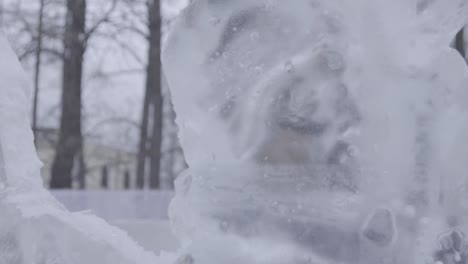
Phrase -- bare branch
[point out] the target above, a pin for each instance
(104, 19)
(32, 49)
(112, 120)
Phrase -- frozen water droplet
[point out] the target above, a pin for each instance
(213, 108)
(224, 226)
(350, 132)
(215, 21)
(259, 69)
(293, 211)
(425, 221)
(334, 61)
(353, 151)
(254, 35)
(380, 228)
(289, 66)
(275, 204)
(187, 259)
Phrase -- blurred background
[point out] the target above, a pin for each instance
(102, 116)
(101, 112)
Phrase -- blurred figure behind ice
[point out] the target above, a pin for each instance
(300, 122)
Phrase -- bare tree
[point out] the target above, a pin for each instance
(154, 81)
(70, 144)
(59, 31)
(36, 31)
(69, 162)
(151, 124)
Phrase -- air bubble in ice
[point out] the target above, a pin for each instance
(334, 61)
(215, 21)
(289, 66)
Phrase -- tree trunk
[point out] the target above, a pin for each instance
(104, 178)
(127, 180)
(70, 143)
(81, 170)
(154, 82)
(156, 139)
(143, 145)
(37, 70)
(152, 110)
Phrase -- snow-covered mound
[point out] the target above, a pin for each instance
(138, 205)
(323, 131)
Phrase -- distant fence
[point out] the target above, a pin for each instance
(118, 205)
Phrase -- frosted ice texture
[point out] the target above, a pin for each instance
(325, 131)
(34, 227)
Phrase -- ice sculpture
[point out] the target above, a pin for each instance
(34, 227)
(321, 131)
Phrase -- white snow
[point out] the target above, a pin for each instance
(142, 214)
(118, 205)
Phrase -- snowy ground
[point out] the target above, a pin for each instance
(151, 234)
(143, 214)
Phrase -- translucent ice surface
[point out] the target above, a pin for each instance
(321, 131)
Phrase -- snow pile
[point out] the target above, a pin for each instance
(320, 131)
(134, 205)
(34, 227)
